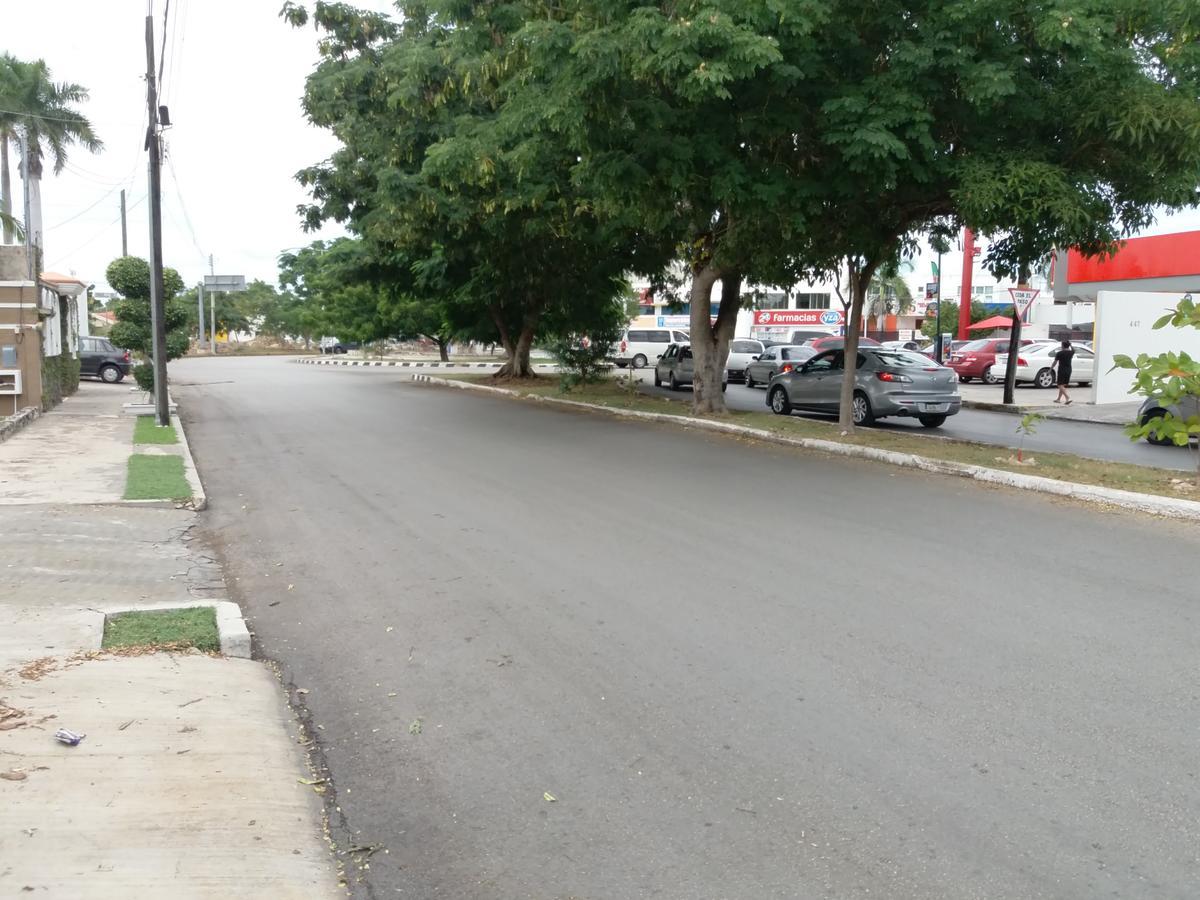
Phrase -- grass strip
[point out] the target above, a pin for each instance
(147, 432)
(156, 478)
(1059, 466)
(193, 627)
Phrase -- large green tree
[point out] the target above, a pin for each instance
(43, 111)
(431, 174)
(129, 276)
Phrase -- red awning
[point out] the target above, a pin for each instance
(993, 322)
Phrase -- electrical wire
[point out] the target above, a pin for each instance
(89, 241)
(162, 54)
(183, 207)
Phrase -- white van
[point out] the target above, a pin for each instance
(641, 347)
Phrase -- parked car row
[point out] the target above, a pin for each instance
(1036, 360)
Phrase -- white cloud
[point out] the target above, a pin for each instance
(234, 75)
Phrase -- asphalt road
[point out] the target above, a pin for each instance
(1107, 442)
(741, 671)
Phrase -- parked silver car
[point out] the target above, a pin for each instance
(774, 360)
(887, 383)
(677, 368)
(1153, 408)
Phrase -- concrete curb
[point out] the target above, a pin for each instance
(376, 363)
(15, 423)
(235, 636)
(1049, 413)
(190, 472)
(1150, 503)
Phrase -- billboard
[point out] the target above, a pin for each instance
(827, 318)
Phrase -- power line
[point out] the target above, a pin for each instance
(92, 239)
(162, 56)
(104, 197)
(183, 206)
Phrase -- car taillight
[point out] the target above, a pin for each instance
(893, 377)
(1021, 362)
(788, 367)
(126, 356)
(624, 346)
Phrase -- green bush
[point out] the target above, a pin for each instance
(144, 376)
(60, 378)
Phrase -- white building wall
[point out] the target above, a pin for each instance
(1124, 325)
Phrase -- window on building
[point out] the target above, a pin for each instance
(812, 301)
(773, 300)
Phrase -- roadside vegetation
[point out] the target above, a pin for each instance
(174, 629)
(504, 168)
(156, 478)
(146, 431)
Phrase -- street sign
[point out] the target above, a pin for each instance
(931, 289)
(226, 283)
(1022, 300)
(931, 309)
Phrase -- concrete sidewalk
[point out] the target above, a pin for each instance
(188, 783)
(1031, 399)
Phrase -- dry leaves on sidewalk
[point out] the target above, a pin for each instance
(13, 775)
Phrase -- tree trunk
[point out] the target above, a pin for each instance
(859, 279)
(517, 365)
(6, 189)
(1014, 346)
(443, 349)
(704, 344)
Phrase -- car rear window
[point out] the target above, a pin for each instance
(903, 359)
(972, 346)
(743, 347)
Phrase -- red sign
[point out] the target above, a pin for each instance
(829, 318)
(1159, 256)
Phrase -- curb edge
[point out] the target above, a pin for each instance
(1148, 503)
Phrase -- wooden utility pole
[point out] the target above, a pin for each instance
(124, 230)
(158, 323)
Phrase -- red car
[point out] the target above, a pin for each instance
(836, 342)
(975, 359)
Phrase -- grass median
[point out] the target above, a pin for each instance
(146, 431)
(156, 478)
(173, 628)
(1059, 466)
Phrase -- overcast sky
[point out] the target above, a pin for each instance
(234, 75)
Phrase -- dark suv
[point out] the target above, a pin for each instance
(100, 359)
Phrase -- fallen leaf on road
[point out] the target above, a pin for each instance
(291, 586)
(13, 775)
(415, 727)
(392, 694)
(389, 628)
(312, 780)
(549, 797)
(125, 725)
(301, 690)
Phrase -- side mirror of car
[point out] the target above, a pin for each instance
(659, 356)
(754, 357)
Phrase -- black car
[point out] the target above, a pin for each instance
(100, 359)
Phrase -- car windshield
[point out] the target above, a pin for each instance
(902, 359)
(973, 346)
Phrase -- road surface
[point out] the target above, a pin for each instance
(739, 671)
(1107, 442)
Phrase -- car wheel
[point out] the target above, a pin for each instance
(1044, 378)
(780, 405)
(860, 409)
(988, 377)
(964, 379)
(639, 361)
(749, 380)
(110, 374)
(674, 385)
(1153, 437)
(932, 421)
(657, 378)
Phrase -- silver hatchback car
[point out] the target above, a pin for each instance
(887, 383)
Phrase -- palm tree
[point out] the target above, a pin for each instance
(889, 293)
(42, 110)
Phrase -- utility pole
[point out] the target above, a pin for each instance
(964, 302)
(200, 316)
(157, 310)
(124, 231)
(212, 312)
(937, 344)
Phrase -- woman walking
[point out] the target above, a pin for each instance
(1062, 365)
